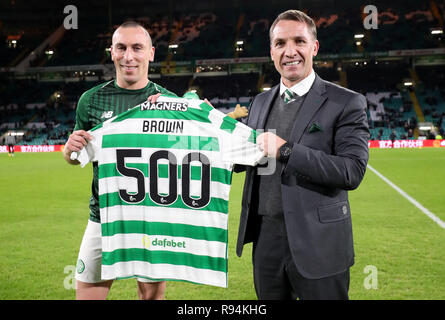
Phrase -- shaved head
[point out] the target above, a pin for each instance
(131, 24)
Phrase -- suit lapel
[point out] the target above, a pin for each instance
(265, 107)
(314, 100)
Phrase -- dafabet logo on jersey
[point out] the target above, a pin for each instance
(165, 242)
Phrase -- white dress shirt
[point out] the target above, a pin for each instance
(302, 87)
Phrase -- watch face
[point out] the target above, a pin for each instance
(285, 151)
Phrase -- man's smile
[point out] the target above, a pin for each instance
(128, 68)
(292, 63)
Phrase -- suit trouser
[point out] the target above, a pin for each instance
(276, 276)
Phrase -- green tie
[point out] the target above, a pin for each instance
(288, 96)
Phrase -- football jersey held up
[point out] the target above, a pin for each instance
(165, 171)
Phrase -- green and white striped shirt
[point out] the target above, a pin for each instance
(101, 103)
(165, 172)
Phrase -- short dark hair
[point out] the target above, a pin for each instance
(295, 15)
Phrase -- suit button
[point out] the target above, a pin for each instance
(344, 209)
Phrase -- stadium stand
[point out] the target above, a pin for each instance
(221, 50)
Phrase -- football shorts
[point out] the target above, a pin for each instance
(88, 267)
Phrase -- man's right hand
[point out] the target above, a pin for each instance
(154, 97)
(76, 142)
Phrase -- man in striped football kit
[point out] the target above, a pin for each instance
(131, 52)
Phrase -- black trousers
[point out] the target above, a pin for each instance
(275, 275)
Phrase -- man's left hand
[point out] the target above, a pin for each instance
(270, 144)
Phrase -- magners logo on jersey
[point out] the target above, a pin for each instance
(170, 105)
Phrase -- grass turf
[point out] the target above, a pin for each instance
(44, 211)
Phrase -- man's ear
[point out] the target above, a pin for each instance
(152, 54)
(316, 47)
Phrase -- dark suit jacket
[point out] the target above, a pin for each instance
(329, 156)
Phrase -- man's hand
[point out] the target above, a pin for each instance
(154, 97)
(76, 141)
(239, 112)
(270, 144)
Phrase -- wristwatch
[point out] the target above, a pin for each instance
(285, 152)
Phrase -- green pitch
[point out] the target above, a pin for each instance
(400, 252)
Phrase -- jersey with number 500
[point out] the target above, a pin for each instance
(165, 172)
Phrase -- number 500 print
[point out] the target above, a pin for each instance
(154, 194)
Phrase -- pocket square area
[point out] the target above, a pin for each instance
(315, 127)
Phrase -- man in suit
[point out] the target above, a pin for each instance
(299, 218)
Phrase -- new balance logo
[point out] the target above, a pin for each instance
(107, 114)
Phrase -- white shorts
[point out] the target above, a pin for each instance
(88, 268)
